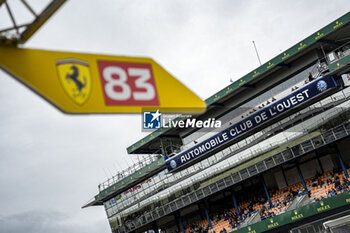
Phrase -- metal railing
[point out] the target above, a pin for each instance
(128, 171)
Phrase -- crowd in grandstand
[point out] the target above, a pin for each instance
(318, 187)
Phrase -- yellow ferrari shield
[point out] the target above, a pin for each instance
(75, 79)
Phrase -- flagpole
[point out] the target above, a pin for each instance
(257, 54)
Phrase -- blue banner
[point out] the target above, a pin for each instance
(257, 118)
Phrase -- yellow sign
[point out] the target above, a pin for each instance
(93, 83)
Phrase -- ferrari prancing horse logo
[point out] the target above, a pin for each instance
(75, 78)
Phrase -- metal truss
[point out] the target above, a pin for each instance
(19, 33)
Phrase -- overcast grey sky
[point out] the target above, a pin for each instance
(51, 163)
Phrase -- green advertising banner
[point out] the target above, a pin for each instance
(298, 214)
(342, 62)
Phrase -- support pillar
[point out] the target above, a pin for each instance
(302, 178)
(177, 221)
(267, 192)
(319, 162)
(284, 176)
(181, 225)
(207, 215)
(155, 227)
(343, 166)
(235, 203)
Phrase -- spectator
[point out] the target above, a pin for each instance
(329, 181)
(311, 78)
(336, 182)
(294, 193)
(216, 218)
(205, 228)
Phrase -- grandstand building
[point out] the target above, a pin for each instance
(279, 163)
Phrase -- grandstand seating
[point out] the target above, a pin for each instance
(319, 187)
